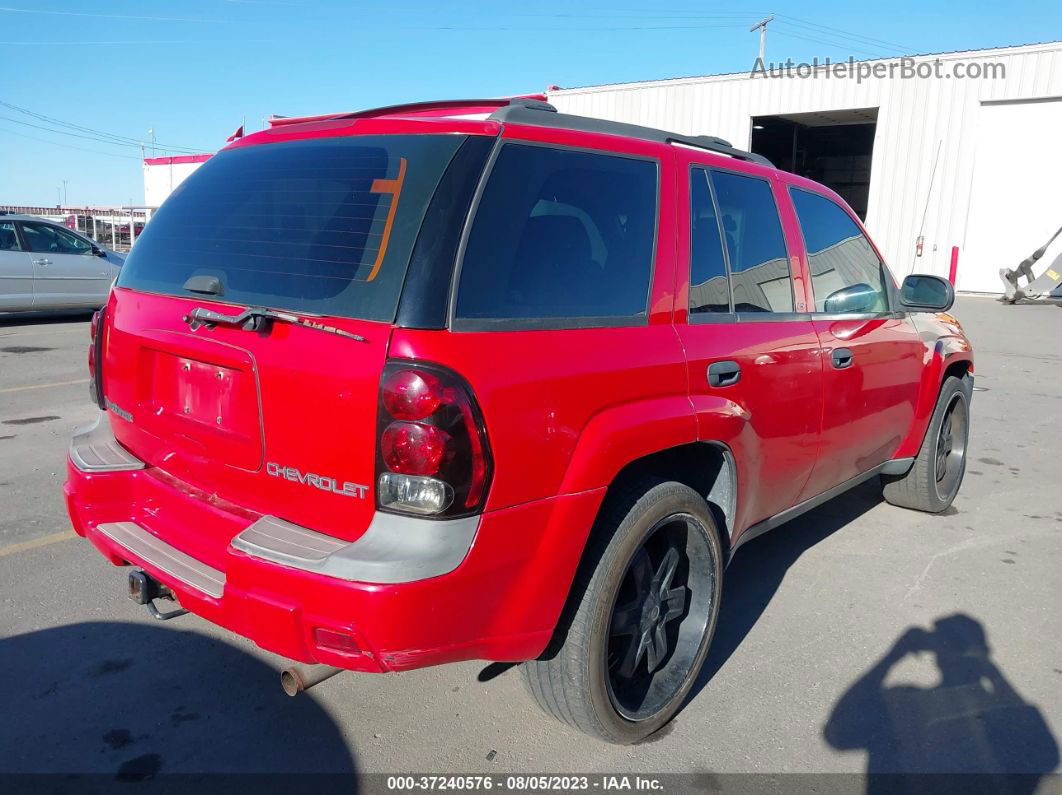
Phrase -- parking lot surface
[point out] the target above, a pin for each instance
(817, 665)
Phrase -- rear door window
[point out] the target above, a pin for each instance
(321, 226)
(752, 230)
(53, 240)
(709, 288)
(846, 275)
(560, 238)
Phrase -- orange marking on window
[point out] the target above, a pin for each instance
(394, 187)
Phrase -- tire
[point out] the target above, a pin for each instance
(598, 674)
(933, 480)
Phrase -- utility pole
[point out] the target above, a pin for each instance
(762, 27)
(64, 193)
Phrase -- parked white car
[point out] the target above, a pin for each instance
(46, 266)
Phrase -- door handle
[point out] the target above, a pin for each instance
(841, 358)
(725, 373)
(42, 261)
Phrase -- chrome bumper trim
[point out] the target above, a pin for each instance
(395, 549)
(153, 551)
(94, 449)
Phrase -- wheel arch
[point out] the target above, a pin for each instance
(951, 356)
(707, 467)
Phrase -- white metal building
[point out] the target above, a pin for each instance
(953, 159)
(163, 174)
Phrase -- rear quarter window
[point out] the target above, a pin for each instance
(321, 226)
(560, 238)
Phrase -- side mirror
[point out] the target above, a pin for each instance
(855, 299)
(924, 293)
(97, 251)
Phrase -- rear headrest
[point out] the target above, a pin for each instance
(564, 235)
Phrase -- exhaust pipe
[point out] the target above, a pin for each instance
(296, 678)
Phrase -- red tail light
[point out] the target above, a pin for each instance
(95, 359)
(433, 456)
(413, 448)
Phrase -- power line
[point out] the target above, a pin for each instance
(48, 119)
(67, 146)
(847, 34)
(87, 137)
(8, 9)
(89, 133)
(594, 29)
(839, 45)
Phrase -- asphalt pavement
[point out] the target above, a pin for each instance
(852, 639)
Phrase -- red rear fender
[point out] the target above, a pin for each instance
(621, 434)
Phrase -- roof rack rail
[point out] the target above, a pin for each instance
(536, 101)
(530, 113)
(715, 144)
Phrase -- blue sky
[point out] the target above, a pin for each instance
(193, 71)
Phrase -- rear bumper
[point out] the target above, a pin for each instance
(293, 594)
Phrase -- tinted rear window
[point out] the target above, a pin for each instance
(323, 227)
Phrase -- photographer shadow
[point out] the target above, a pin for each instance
(972, 721)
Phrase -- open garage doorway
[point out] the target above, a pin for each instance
(832, 147)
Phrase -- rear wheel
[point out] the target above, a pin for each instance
(934, 479)
(638, 629)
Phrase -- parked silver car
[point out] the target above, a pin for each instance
(46, 266)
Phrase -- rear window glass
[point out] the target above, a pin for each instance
(561, 234)
(322, 227)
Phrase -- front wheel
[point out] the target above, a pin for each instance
(642, 616)
(934, 479)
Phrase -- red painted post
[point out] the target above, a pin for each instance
(954, 264)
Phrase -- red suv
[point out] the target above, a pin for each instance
(481, 380)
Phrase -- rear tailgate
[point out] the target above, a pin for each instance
(282, 423)
(278, 418)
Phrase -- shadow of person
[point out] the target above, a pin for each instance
(136, 700)
(972, 721)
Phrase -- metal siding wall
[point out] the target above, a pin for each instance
(913, 115)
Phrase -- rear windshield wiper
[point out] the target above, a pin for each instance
(255, 319)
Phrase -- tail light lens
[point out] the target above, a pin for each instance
(433, 457)
(95, 358)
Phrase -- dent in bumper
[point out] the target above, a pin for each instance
(94, 449)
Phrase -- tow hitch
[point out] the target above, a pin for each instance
(145, 589)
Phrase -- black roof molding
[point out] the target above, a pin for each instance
(442, 104)
(530, 112)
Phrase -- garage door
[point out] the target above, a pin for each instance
(1015, 203)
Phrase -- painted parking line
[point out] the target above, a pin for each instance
(40, 333)
(34, 543)
(43, 386)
